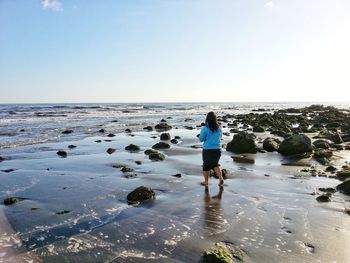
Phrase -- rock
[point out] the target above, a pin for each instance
(222, 253)
(127, 130)
(271, 144)
(110, 150)
(177, 137)
(72, 146)
(156, 156)
(63, 154)
(163, 120)
(126, 169)
(333, 136)
(161, 145)
(295, 144)
(132, 148)
(322, 144)
(331, 169)
(163, 126)
(130, 175)
(328, 190)
(165, 136)
(242, 159)
(110, 135)
(140, 194)
(102, 131)
(98, 141)
(258, 129)
(138, 162)
(148, 128)
(62, 212)
(67, 131)
(323, 198)
(10, 201)
(8, 170)
(149, 151)
(177, 175)
(174, 141)
(243, 142)
(2, 159)
(343, 175)
(344, 187)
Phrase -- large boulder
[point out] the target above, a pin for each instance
(295, 144)
(243, 142)
(271, 144)
(344, 187)
(140, 194)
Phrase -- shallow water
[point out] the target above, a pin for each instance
(266, 209)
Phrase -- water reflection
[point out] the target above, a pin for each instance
(214, 219)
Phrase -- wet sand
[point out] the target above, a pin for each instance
(74, 209)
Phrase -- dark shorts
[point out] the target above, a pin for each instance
(211, 158)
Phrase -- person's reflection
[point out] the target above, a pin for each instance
(214, 221)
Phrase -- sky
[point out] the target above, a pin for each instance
(55, 51)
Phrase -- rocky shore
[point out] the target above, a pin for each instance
(90, 186)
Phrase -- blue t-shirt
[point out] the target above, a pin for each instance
(211, 139)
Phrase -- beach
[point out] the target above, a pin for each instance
(69, 170)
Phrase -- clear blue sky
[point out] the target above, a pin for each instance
(174, 50)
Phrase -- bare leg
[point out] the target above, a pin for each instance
(217, 171)
(206, 178)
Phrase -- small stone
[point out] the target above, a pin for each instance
(8, 170)
(138, 162)
(110, 150)
(149, 151)
(132, 148)
(110, 135)
(140, 194)
(98, 141)
(165, 136)
(174, 141)
(63, 154)
(127, 130)
(242, 159)
(148, 128)
(62, 212)
(67, 131)
(177, 175)
(127, 169)
(72, 146)
(323, 198)
(161, 145)
(10, 201)
(102, 131)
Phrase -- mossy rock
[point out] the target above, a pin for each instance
(161, 145)
(322, 144)
(156, 156)
(149, 151)
(132, 148)
(130, 175)
(10, 201)
(140, 194)
(174, 141)
(220, 253)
